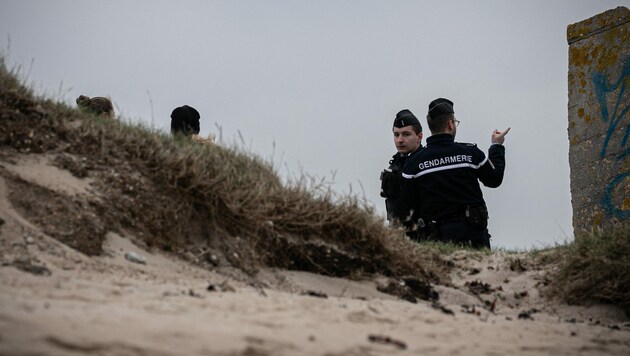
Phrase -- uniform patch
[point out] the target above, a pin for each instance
(445, 160)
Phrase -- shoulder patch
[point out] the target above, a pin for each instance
(467, 144)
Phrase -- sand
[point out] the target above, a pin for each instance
(55, 300)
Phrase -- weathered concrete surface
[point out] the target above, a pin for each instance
(599, 118)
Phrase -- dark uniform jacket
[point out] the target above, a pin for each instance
(391, 184)
(440, 181)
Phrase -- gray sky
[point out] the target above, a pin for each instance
(315, 85)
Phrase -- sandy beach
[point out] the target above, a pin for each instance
(55, 300)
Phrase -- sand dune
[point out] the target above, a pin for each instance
(57, 301)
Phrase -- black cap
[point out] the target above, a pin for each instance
(406, 118)
(439, 107)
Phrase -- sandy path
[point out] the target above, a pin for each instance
(110, 306)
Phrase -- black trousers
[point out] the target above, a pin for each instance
(465, 233)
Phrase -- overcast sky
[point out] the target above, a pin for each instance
(315, 85)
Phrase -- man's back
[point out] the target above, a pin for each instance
(444, 177)
(441, 189)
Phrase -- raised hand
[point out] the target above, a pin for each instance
(498, 136)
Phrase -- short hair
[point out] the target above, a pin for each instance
(439, 124)
(417, 128)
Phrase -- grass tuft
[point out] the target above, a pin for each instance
(595, 268)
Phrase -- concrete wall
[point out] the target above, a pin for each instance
(599, 118)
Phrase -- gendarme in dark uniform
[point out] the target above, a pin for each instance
(441, 182)
(407, 133)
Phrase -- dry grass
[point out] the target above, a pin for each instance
(595, 268)
(200, 200)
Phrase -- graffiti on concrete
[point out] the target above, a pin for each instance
(615, 117)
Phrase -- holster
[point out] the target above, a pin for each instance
(477, 215)
(424, 230)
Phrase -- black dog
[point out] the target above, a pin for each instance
(185, 120)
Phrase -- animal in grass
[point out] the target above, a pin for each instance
(97, 105)
(204, 140)
(185, 120)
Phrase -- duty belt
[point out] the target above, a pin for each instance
(458, 216)
(470, 212)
